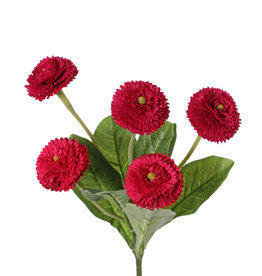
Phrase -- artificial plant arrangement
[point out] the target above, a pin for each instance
(132, 182)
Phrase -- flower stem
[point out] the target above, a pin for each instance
(190, 152)
(139, 265)
(69, 106)
(131, 148)
(105, 212)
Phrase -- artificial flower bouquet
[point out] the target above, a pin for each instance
(128, 180)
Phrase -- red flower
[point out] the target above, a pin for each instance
(61, 164)
(50, 76)
(153, 181)
(213, 114)
(139, 107)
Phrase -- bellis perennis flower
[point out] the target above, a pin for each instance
(153, 181)
(140, 107)
(61, 164)
(50, 76)
(213, 114)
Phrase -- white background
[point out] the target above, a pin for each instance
(181, 46)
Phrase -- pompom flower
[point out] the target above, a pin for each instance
(153, 181)
(213, 114)
(50, 76)
(61, 164)
(139, 107)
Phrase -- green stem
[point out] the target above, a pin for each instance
(105, 212)
(130, 148)
(190, 152)
(69, 106)
(139, 251)
(139, 265)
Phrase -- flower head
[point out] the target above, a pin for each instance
(50, 76)
(153, 181)
(61, 164)
(213, 114)
(139, 107)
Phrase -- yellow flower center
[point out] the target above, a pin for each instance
(220, 106)
(55, 158)
(142, 100)
(151, 176)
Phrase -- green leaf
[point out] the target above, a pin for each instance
(145, 223)
(113, 202)
(100, 175)
(120, 196)
(113, 142)
(101, 183)
(160, 141)
(201, 179)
